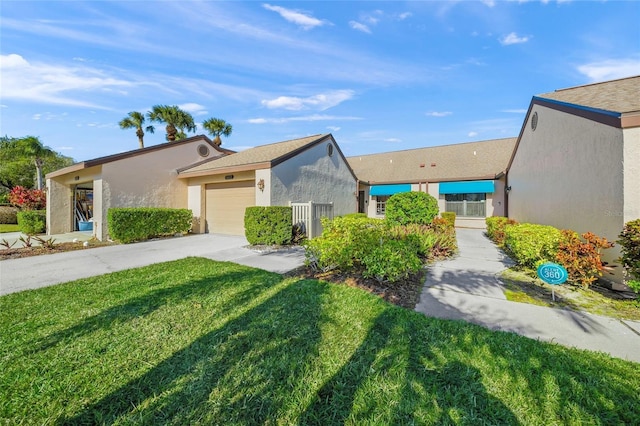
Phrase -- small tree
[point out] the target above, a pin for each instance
(217, 127)
(411, 207)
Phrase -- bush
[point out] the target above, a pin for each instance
(433, 241)
(411, 207)
(32, 222)
(391, 260)
(450, 217)
(582, 259)
(496, 226)
(28, 199)
(8, 215)
(630, 246)
(128, 224)
(530, 244)
(268, 225)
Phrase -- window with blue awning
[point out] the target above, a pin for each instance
(378, 190)
(467, 187)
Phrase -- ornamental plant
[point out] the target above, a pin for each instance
(411, 207)
(582, 258)
(530, 244)
(630, 246)
(28, 199)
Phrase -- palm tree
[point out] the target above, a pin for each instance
(217, 127)
(32, 148)
(135, 120)
(178, 121)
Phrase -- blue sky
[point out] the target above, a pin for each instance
(380, 76)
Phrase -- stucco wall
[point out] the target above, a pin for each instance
(315, 176)
(631, 168)
(568, 173)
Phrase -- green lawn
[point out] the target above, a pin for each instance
(202, 342)
(5, 227)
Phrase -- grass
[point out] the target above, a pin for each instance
(6, 227)
(202, 342)
(523, 286)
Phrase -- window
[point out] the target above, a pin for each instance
(470, 205)
(381, 204)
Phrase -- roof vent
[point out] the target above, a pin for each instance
(534, 121)
(433, 164)
(422, 165)
(203, 150)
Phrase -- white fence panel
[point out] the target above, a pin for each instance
(309, 214)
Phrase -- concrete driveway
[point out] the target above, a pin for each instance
(468, 288)
(40, 271)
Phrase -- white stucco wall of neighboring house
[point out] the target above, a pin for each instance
(631, 167)
(196, 194)
(315, 176)
(263, 197)
(568, 173)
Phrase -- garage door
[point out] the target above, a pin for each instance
(225, 205)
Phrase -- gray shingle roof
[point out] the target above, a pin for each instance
(622, 96)
(439, 163)
(271, 153)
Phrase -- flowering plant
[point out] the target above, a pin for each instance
(28, 199)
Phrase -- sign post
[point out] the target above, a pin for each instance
(554, 274)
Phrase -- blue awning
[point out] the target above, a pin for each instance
(467, 187)
(389, 189)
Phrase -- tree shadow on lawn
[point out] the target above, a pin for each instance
(237, 372)
(147, 303)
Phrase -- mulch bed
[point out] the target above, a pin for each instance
(17, 253)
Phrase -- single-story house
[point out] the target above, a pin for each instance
(81, 194)
(576, 164)
(310, 169)
(467, 178)
(215, 183)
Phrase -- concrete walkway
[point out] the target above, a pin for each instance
(467, 288)
(40, 271)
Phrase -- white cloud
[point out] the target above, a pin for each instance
(515, 111)
(64, 148)
(489, 3)
(52, 83)
(194, 108)
(310, 118)
(334, 128)
(472, 134)
(393, 140)
(36, 116)
(360, 27)
(321, 102)
(610, 69)
(404, 15)
(305, 21)
(438, 113)
(513, 38)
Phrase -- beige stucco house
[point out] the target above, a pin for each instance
(577, 160)
(296, 171)
(466, 178)
(83, 193)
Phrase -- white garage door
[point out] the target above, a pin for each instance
(225, 205)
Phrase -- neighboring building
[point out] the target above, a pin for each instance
(467, 178)
(577, 161)
(83, 193)
(300, 170)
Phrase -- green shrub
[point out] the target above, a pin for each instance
(8, 215)
(411, 207)
(391, 260)
(32, 222)
(496, 226)
(433, 241)
(450, 217)
(268, 225)
(355, 215)
(530, 244)
(344, 242)
(630, 246)
(128, 224)
(582, 257)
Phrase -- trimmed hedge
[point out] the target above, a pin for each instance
(269, 225)
(128, 224)
(8, 215)
(411, 207)
(32, 222)
(496, 226)
(530, 244)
